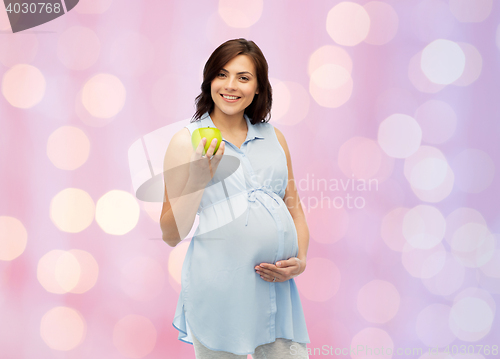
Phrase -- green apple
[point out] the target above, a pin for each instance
(209, 133)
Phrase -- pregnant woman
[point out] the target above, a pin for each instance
(238, 294)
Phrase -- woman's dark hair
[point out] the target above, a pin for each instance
(260, 108)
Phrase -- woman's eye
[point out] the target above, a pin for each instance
(244, 78)
(221, 74)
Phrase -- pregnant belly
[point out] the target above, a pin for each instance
(263, 240)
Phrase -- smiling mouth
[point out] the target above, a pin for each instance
(227, 97)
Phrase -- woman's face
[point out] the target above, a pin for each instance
(234, 86)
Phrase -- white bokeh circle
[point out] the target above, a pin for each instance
(72, 210)
(399, 135)
(443, 61)
(424, 227)
(117, 212)
(348, 23)
(23, 86)
(103, 96)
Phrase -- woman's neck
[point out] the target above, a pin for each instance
(228, 123)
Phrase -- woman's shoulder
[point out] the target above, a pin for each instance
(267, 127)
(280, 137)
(182, 138)
(182, 134)
(263, 126)
(180, 142)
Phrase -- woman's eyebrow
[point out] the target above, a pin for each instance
(239, 73)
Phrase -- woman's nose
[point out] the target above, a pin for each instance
(230, 83)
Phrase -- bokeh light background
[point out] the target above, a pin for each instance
(398, 94)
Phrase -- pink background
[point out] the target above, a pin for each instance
(404, 93)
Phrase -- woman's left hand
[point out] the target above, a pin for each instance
(282, 271)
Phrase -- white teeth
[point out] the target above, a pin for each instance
(230, 97)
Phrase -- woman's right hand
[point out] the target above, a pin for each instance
(202, 168)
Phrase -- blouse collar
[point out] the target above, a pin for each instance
(253, 130)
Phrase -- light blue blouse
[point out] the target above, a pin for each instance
(243, 222)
